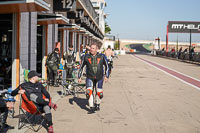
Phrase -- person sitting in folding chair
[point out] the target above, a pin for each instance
(35, 92)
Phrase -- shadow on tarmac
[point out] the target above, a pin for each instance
(7, 129)
(81, 102)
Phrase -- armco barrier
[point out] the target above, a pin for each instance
(120, 52)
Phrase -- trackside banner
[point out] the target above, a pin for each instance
(183, 27)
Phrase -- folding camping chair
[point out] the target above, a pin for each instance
(65, 85)
(30, 115)
(75, 88)
(79, 86)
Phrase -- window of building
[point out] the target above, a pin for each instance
(102, 5)
(94, 4)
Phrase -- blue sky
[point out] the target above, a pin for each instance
(147, 19)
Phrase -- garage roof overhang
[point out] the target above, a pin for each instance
(69, 27)
(46, 18)
(7, 6)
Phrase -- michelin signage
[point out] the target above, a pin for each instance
(183, 27)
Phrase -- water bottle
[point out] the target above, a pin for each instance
(61, 66)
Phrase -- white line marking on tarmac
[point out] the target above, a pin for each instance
(147, 62)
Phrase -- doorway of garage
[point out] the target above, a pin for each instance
(6, 34)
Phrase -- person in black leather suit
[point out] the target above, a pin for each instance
(95, 76)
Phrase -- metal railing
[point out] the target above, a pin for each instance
(184, 56)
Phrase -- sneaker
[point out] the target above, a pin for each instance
(50, 129)
(92, 110)
(50, 83)
(54, 106)
(69, 86)
(55, 85)
(97, 107)
(8, 126)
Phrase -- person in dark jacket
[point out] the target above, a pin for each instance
(95, 76)
(34, 92)
(191, 53)
(53, 61)
(69, 57)
(180, 52)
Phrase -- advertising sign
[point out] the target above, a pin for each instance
(183, 27)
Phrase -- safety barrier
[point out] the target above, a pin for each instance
(183, 56)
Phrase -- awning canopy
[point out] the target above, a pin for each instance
(90, 34)
(80, 31)
(7, 6)
(69, 27)
(47, 18)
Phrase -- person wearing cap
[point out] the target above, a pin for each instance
(53, 61)
(34, 91)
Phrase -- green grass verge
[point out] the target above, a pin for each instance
(127, 46)
(147, 46)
